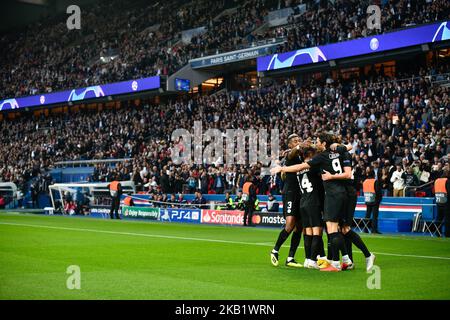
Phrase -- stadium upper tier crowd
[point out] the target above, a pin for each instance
(145, 37)
(388, 122)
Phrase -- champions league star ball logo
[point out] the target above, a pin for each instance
(42, 99)
(12, 103)
(309, 55)
(443, 31)
(96, 91)
(374, 44)
(134, 85)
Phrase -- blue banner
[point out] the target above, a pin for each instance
(394, 40)
(81, 94)
(181, 215)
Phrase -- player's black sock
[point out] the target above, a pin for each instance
(329, 253)
(357, 241)
(308, 245)
(337, 244)
(348, 245)
(334, 246)
(321, 249)
(281, 239)
(295, 242)
(342, 246)
(315, 247)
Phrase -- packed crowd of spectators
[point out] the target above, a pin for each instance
(388, 122)
(144, 38)
(48, 57)
(325, 22)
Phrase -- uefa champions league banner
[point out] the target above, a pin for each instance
(374, 44)
(81, 94)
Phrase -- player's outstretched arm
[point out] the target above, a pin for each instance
(294, 168)
(347, 174)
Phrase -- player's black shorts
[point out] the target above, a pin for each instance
(311, 216)
(350, 206)
(334, 207)
(291, 204)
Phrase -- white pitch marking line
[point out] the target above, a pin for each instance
(193, 239)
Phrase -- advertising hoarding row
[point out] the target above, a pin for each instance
(219, 217)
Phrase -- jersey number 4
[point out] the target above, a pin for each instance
(306, 185)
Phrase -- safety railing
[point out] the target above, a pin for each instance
(87, 163)
(416, 188)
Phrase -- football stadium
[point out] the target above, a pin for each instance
(225, 150)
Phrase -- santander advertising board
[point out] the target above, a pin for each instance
(230, 217)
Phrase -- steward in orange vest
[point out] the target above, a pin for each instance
(372, 198)
(441, 189)
(369, 191)
(249, 198)
(115, 189)
(128, 201)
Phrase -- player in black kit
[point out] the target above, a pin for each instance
(335, 197)
(291, 207)
(311, 210)
(350, 236)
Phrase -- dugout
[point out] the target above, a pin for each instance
(9, 193)
(84, 195)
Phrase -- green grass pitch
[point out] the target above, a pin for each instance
(153, 260)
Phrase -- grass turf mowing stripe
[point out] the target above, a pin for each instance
(193, 239)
